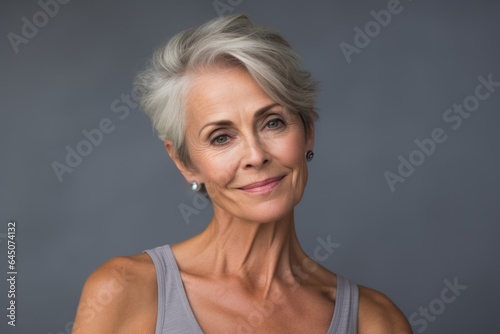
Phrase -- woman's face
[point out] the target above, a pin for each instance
(248, 150)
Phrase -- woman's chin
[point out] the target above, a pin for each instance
(269, 212)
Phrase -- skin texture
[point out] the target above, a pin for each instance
(248, 260)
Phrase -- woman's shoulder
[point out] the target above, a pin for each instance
(378, 314)
(119, 296)
(124, 273)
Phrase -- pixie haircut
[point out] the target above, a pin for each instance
(231, 41)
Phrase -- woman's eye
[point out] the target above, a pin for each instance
(219, 140)
(275, 123)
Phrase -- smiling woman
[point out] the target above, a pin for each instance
(245, 148)
(236, 115)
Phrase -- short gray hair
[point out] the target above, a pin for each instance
(227, 41)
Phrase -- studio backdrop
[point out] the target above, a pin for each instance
(403, 192)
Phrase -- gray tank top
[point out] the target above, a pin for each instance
(175, 315)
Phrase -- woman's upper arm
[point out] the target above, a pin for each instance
(110, 298)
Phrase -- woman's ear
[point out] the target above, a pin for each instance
(310, 136)
(186, 171)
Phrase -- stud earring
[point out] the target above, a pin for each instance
(309, 156)
(195, 186)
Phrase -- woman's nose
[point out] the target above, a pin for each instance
(254, 154)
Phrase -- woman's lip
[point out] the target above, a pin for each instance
(260, 184)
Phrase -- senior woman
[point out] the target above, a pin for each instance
(236, 116)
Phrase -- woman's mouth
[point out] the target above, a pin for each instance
(263, 186)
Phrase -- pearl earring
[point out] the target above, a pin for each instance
(195, 186)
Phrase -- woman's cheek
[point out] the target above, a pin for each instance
(290, 149)
(220, 168)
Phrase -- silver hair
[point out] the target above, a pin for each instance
(228, 41)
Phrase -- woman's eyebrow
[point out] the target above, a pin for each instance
(217, 123)
(264, 109)
(257, 114)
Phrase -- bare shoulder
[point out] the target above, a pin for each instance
(120, 296)
(379, 315)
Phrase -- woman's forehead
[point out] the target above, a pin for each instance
(225, 92)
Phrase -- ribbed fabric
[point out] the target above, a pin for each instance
(345, 314)
(175, 315)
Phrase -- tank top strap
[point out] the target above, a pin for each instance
(174, 312)
(345, 316)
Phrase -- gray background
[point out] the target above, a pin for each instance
(441, 223)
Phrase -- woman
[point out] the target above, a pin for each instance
(236, 116)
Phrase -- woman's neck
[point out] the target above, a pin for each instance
(257, 253)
